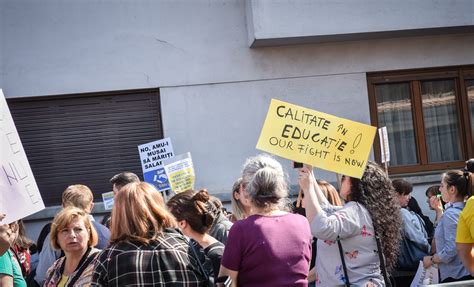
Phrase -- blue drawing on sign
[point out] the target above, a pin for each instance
(158, 178)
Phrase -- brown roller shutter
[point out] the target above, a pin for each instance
(85, 138)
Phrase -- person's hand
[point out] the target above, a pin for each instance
(309, 167)
(305, 178)
(6, 233)
(427, 262)
(435, 203)
(7, 236)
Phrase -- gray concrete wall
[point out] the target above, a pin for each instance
(215, 89)
(220, 124)
(283, 21)
(60, 47)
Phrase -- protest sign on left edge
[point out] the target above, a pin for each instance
(19, 193)
(152, 155)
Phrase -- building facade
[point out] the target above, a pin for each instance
(87, 81)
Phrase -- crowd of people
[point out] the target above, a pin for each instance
(358, 236)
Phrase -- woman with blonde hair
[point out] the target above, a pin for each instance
(21, 249)
(240, 203)
(73, 233)
(145, 248)
(329, 192)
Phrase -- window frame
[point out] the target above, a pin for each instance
(414, 77)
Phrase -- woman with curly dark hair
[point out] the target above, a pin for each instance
(347, 234)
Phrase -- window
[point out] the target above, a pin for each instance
(85, 138)
(429, 115)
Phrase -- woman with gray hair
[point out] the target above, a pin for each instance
(271, 247)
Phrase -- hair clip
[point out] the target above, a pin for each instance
(466, 173)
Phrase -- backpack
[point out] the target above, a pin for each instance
(411, 253)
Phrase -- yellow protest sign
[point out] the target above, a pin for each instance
(180, 172)
(181, 180)
(316, 138)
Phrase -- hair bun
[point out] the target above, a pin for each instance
(263, 179)
(202, 196)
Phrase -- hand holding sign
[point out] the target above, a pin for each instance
(305, 178)
(315, 138)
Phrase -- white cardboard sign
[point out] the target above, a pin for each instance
(108, 199)
(384, 146)
(426, 277)
(19, 193)
(153, 153)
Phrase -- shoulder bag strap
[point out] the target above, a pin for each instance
(206, 276)
(344, 268)
(85, 261)
(23, 269)
(383, 267)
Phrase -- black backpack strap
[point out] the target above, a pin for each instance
(201, 268)
(23, 269)
(383, 267)
(344, 267)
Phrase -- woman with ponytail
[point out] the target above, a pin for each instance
(145, 248)
(465, 229)
(195, 215)
(454, 188)
(348, 251)
(271, 247)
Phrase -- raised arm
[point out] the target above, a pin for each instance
(311, 199)
(435, 203)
